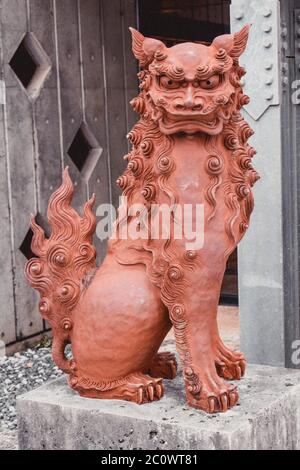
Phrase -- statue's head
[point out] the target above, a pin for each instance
(191, 87)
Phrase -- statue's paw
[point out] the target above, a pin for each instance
(215, 395)
(230, 365)
(231, 370)
(143, 389)
(164, 365)
(138, 388)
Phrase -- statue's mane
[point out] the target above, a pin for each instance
(150, 165)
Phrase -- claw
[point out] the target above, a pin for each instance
(211, 404)
(221, 366)
(224, 402)
(238, 372)
(140, 396)
(233, 398)
(243, 367)
(173, 369)
(151, 392)
(159, 391)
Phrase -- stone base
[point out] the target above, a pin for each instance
(54, 417)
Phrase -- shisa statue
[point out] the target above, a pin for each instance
(189, 149)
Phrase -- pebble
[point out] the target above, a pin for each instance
(20, 374)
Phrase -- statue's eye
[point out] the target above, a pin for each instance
(210, 83)
(168, 83)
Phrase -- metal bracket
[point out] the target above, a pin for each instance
(297, 43)
(262, 57)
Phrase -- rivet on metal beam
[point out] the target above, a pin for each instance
(269, 96)
(298, 18)
(267, 43)
(268, 65)
(267, 12)
(269, 81)
(267, 28)
(284, 67)
(285, 80)
(284, 33)
(239, 15)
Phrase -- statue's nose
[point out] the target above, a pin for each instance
(189, 102)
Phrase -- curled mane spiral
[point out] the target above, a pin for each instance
(235, 173)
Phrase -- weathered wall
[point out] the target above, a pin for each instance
(87, 75)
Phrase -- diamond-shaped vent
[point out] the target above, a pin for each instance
(31, 65)
(85, 151)
(25, 247)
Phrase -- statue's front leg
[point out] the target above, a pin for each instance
(192, 296)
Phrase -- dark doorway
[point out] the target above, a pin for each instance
(229, 292)
(176, 21)
(184, 20)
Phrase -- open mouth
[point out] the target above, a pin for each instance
(191, 123)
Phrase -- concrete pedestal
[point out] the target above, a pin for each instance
(54, 417)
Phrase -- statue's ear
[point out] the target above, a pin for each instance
(234, 44)
(144, 48)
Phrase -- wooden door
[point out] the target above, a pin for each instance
(67, 76)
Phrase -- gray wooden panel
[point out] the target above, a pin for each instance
(70, 82)
(13, 19)
(95, 113)
(111, 22)
(14, 27)
(46, 109)
(129, 18)
(7, 310)
(23, 177)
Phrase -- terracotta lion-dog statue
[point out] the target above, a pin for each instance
(189, 147)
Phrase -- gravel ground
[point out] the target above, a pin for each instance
(19, 374)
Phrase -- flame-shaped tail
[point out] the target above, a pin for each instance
(62, 263)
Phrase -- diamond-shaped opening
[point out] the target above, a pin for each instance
(31, 65)
(25, 247)
(85, 151)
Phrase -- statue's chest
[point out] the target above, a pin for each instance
(189, 179)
